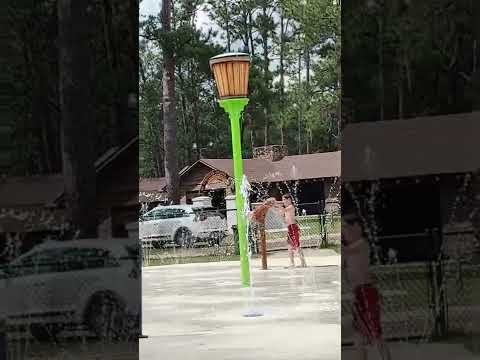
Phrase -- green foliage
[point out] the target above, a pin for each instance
(31, 42)
(422, 52)
(252, 26)
(150, 115)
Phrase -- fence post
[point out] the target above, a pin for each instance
(3, 340)
(252, 241)
(323, 230)
(320, 227)
(140, 261)
(263, 240)
(236, 244)
(438, 293)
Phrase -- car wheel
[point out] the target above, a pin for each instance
(184, 238)
(45, 332)
(106, 317)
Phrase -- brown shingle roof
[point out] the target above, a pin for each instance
(296, 167)
(151, 190)
(41, 190)
(152, 184)
(413, 147)
(30, 191)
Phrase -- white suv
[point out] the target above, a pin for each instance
(183, 225)
(60, 284)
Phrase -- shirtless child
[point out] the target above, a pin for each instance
(293, 236)
(366, 299)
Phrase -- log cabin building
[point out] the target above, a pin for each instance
(32, 208)
(313, 179)
(415, 177)
(416, 185)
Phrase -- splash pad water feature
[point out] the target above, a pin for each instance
(231, 76)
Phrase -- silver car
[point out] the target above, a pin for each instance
(183, 225)
(92, 284)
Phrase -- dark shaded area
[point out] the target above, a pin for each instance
(70, 261)
(409, 168)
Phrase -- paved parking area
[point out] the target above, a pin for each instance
(196, 311)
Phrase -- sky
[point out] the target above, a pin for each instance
(152, 7)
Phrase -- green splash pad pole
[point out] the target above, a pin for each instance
(234, 108)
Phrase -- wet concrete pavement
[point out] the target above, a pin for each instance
(196, 311)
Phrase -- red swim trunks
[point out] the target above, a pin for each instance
(366, 312)
(294, 236)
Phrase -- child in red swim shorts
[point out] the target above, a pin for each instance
(293, 235)
(366, 300)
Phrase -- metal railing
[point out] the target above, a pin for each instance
(430, 299)
(210, 236)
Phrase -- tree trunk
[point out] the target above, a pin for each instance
(75, 24)
(266, 63)
(475, 214)
(196, 127)
(307, 65)
(299, 137)
(266, 128)
(380, 69)
(227, 26)
(157, 146)
(250, 33)
(183, 103)
(252, 141)
(282, 76)
(169, 110)
(308, 138)
(400, 93)
(246, 34)
(476, 56)
(159, 149)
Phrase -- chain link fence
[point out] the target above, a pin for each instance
(184, 235)
(426, 300)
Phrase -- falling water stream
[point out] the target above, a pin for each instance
(246, 190)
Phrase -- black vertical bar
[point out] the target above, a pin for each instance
(3, 340)
(438, 290)
(235, 239)
(443, 317)
(320, 222)
(323, 230)
(141, 335)
(433, 296)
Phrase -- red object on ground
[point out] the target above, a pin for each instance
(294, 236)
(366, 313)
